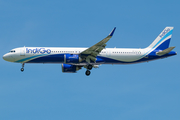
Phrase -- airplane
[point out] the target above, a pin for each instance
(73, 59)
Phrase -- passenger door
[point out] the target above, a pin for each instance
(22, 51)
(108, 53)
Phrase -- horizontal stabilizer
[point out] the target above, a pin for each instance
(166, 51)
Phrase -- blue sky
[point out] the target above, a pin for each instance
(143, 91)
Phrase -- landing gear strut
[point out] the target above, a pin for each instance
(22, 69)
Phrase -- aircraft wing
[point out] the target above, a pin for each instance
(93, 51)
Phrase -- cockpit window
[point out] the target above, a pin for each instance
(12, 51)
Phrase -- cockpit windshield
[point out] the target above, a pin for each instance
(12, 51)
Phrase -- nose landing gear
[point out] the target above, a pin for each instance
(22, 69)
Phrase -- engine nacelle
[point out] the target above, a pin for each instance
(66, 68)
(72, 58)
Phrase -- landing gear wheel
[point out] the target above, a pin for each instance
(22, 69)
(88, 72)
(89, 67)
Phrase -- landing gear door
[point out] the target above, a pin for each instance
(22, 51)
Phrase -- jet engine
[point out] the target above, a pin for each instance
(66, 68)
(72, 58)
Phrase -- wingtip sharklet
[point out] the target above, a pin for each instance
(112, 32)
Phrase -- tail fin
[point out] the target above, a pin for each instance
(163, 40)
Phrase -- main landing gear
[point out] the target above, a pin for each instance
(88, 72)
(22, 69)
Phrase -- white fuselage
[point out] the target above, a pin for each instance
(27, 54)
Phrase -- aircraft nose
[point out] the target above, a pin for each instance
(8, 57)
(4, 57)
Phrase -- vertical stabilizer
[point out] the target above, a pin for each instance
(163, 40)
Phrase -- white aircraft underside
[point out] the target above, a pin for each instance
(72, 59)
